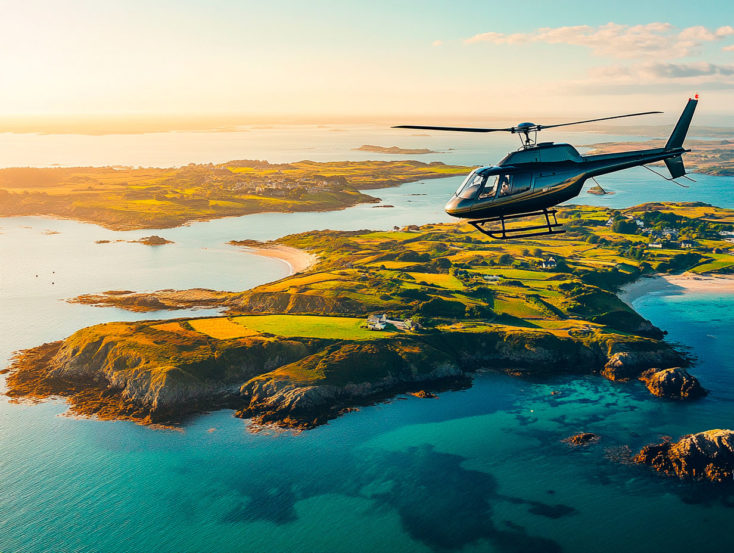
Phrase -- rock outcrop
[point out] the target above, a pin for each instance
(582, 439)
(674, 383)
(312, 390)
(707, 455)
(626, 365)
(423, 394)
(153, 240)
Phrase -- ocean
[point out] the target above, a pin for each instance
(481, 469)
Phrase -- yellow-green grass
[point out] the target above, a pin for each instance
(519, 274)
(392, 264)
(388, 235)
(169, 327)
(300, 281)
(717, 264)
(447, 281)
(221, 328)
(517, 307)
(311, 326)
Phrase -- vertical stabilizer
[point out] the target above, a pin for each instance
(681, 128)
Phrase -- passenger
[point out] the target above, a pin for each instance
(505, 186)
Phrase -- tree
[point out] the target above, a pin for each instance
(624, 226)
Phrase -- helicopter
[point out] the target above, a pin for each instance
(540, 175)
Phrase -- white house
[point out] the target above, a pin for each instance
(549, 263)
(377, 322)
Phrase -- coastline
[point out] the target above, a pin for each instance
(297, 260)
(675, 284)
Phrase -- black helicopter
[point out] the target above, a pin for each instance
(537, 177)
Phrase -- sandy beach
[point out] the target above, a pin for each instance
(676, 284)
(297, 260)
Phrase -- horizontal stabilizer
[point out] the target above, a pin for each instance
(675, 166)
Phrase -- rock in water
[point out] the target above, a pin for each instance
(625, 365)
(423, 394)
(704, 456)
(598, 190)
(584, 438)
(674, 383)
(154, 240)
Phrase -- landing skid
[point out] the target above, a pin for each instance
(503, 233)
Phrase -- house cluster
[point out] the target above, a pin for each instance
(659, 238)
(380, 322)
(279, 184)
(549, 264)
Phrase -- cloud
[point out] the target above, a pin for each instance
(729, 48)
(647, 72)
(653, 77)
(437, 43)
(617, 41)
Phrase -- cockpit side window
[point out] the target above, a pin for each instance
(504, 183)
(471, 186)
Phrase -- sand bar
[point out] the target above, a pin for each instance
(297, 260)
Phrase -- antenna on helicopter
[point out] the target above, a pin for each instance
(522, 129)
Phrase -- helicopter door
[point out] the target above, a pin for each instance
(515, 184)
(521, 182)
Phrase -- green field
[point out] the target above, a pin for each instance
(309, 326)
(444, 281)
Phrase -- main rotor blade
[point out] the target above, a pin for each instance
(600, 119)
(459, 129)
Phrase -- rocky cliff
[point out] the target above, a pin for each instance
(138, 371)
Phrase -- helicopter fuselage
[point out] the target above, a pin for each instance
(539, 177)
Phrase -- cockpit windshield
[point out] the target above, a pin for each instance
(471, 185)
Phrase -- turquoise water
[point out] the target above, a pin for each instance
(481, 469)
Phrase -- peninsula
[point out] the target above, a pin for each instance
(384, 313)
(126, 198)
(394, 150)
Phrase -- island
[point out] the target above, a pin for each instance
(153, 240)
(126, 198)
(394, 150)
(709, 157)
(381, 313)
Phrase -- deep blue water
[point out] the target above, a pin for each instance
(481, 469)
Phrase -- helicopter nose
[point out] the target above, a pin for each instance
(452, 205)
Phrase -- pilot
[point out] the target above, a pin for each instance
(489, 190)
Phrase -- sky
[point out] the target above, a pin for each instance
(318, 59)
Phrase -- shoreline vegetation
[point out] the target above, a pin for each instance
(126, 198)
(447, 301)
